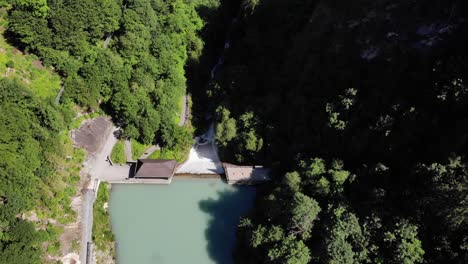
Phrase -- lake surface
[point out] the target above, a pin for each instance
(188, 221)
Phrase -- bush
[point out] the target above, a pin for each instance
(102, 234)
(10, 64)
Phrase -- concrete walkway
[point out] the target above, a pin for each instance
(115, 173)
(86, 224)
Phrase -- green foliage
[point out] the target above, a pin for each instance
(258, 236)
(226, 128)
(140, 76)
(32, 158)
(249, 142)
(336, 80)
(449, 184)
(344, 241)
(102, 233)
(404, 242)
(118, 153)
(41, 80)
(38, 8)
(293, 181)
(53, 248)
(10, 64)
(321, 181)
(290, 251)
(304, 211)
(181, 143)
(334, 118)
(241, 136)
(341, 107)
(338, 175)
(315, 167)
(22, 244)
(137, 149)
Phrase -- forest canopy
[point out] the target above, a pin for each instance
(361, 109)
(30, 175)
(126, 58)
(138, 77)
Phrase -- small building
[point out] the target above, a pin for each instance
(152, 169)
(246, 174)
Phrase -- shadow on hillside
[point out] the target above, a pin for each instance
(225, 212)
(214, 34)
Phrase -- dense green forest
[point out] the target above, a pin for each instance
(361, 108)
(126, 58)
(34, 172)
(138, 77)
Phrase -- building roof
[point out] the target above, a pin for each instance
(252, 174)
(151, 168)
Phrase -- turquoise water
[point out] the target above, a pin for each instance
(188, 221)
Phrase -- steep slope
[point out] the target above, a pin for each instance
(364, 103)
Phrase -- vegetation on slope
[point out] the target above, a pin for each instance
(102, 233)
(40, 167)
(374, 88)
(377, 90)
(28, 68)
(35, 175)
(139, 77)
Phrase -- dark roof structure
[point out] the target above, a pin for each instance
(151, 168)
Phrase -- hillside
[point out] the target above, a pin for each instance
(43, 81)
(361, 109)
(138, 79)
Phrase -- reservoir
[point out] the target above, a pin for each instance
(188, 221)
